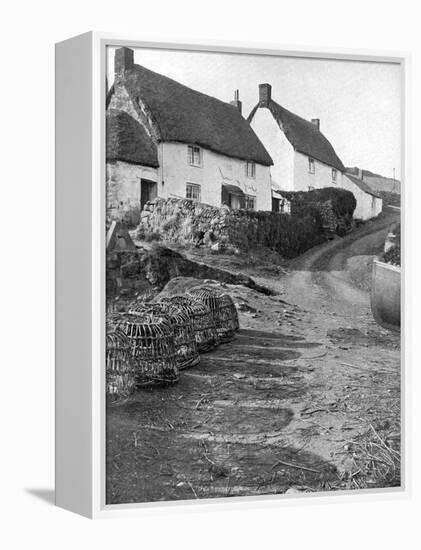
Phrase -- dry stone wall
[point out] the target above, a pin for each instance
(222, 229)
(189, 222)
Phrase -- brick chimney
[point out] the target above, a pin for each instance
(236, 102)
(316, 122)
(123, 61)
(265, 95)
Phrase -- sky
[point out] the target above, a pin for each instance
(358, 103)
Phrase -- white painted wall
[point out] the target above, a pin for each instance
(216, 170)
(322, 176)
(123, 189)
(367, 205)
(278, 147)
(290, 171)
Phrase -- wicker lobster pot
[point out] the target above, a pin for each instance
(223, 310)
(152, 348)
(120, 374)
(184, 337)
(202, 321)
(116, 320)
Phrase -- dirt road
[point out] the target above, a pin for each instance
(306, 398)
(323, 277)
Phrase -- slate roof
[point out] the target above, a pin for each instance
(188, 116)
(303, 135)
(362, 185)
(128, 141)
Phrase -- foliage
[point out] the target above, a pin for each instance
(343, 202)
(393, 255)
(315, 215)
(287, 235)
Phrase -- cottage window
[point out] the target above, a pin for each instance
(334, 175)
(250, 202)
(193, 191)
(311, 166)
(251, 169)
(194, 155)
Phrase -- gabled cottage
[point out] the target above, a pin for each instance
(369, 203)
(303, 157)
(131, 169)
(206, 151)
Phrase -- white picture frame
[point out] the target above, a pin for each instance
(80, 274)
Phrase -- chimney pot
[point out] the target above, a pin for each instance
(123, 61)
(236, 102)
(265, 95)
(316, 122)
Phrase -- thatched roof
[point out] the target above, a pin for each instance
(127, 140)
(362, 185)
(185, 115)
(303, 135)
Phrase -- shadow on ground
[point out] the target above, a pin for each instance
(47, 495)
(219, 432)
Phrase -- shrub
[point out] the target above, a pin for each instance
(393, 255)
(285, 234)
(343, 202)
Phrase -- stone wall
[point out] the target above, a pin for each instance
(189, 222)
(123, 191)
(222, 229)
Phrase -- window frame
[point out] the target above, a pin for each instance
(191, 156)
(193, 186)
(252, 165)
(334, 175)
(311, 165)
(248, 198)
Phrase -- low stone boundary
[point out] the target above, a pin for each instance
(189, 222)
(185, 221)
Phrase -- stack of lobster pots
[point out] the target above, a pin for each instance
(153, 341)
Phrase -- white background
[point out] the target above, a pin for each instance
(28, 33)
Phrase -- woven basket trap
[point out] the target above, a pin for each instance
(202, 321)
(184, 336)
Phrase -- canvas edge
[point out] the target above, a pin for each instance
(73, 253)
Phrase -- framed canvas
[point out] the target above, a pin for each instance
(230, 299)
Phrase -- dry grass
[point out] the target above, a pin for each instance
(376, 461)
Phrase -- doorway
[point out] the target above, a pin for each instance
(148, 192)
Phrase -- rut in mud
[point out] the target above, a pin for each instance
(221, 431)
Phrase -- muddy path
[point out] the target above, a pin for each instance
(291, 404)
(321, 278)
(223, 430)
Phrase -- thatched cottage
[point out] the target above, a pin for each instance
(184, 144)
(132, 167)
(303, 157)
